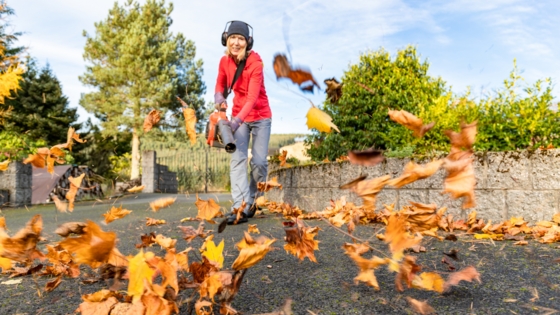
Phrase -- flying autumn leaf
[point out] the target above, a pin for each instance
(92, 248)
(464, 139)
(136, 188)
(190, 124)
(151, 120)
(139, 270)
(71, 228)
(282, 158)
(460, 180)
(38, 159)
(251, 251)
(162, 203)
(264, 187)
(406, 272)
(150, 222)
(413, 172)
(369, 157)
(411, 122)
(253, 229)
(283, 69)
(22, 246)
(429, 281)
(334, 90)
(207, 210)
(368, 190)
(419, 306)
(214, 253)
(2, 223)
(301, 242)
(115, 213)
(4, 165)
(468, 274)
(51, 285)
(320, 120)
(165, 242)
(60, 206)
(367, 266)
(397, 237)
(147, 240)
(75, 184)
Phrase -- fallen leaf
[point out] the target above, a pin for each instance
(264, 187)
(147, 240)
(411, 122)
(152, 119)
(207, 210)
(51, 285)
(521, 243)
(150, 222)
(14, 281)
(419, 306)
(447, 261)
(98, 308)
(214, 253)
(468, 274)
(165, 242)
(320, 120)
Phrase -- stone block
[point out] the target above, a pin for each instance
(374, 171)
(414, 195)
(317, 176)
(349, 171)
(545, 169)
(276, 195)
(395, 166)
(454, 207)
(283, 176)
(312, 199)
(508, 170)
(533, 206)
(4, 197)
(490, 205)
(336, 194)
(386, 196)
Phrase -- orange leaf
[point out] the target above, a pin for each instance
(115, 213)
(283, 69)
(38, 160)
(468, 274)
(269, 185)
(368, 190)
(251, 252)
(411, 122)
(397, 237)
(92, 248)
(136, 188)
(413, 172)
(75, 184)
(282, 158)
(207, 210)
(190, 124)
(98, 308)
(162, 203)
(165, 242)
(301, 243)
(60, 206)
(150, 221)
(4, 165)
(152, 119)
(463, 140)
(253, 229)
(419, 306)
(460, 180)
(51, 285)
(22, 246)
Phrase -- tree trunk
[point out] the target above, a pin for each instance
(135, 172)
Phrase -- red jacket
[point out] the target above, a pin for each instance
(250, 102)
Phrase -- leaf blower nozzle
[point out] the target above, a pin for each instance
(227, 136)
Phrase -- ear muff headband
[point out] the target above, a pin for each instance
(249, 41)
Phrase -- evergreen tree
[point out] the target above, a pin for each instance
(137, 65)
(39, 108)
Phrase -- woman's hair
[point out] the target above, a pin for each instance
(242, 55)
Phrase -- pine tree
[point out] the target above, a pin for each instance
(39, 108)
(136, 65)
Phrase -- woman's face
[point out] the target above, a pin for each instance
(237, 44)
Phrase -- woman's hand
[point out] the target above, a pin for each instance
(235, 123)
(219, 99)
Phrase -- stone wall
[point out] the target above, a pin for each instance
(508, 184)
(155, 177)
(17, 181)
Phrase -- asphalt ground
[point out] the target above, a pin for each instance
(515, 279)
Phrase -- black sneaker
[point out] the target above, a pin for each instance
(252, 210)
(233, 217)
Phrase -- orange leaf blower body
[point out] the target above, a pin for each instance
(218, 131)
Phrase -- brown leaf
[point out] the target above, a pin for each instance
(189, 233)
(353, 182)
(453, 254)
(448, 262)
(98, 308)
(152, 119)
(201, 271)
(413, 172)
(369, 157)
(252, 252)
(70, 227)
(407, 272)
(463, 140)
(301, 243)
(75, 184)
(22, 246)
(51, 285)
(460, 180)
(508, 236)
(334, 90)
(411, 122)
(269, 185)
(468, 274)
(368, 190)
(93, 248)
(282, 158)
(147, 240)
(283, 69)
(419, 306)
(521, 243)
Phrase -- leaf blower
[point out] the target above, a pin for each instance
(218, 131)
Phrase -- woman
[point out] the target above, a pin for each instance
(251, 115)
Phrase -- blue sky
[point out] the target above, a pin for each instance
(468, 42)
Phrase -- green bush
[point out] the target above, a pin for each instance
(507, 119)
(397, 83)
(16, 147)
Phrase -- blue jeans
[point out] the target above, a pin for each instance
(241, 189)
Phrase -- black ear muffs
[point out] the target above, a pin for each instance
(249, 42)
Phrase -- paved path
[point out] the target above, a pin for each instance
(511, 275)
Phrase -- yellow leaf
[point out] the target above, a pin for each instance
(136, 188)
(496, 237)
(253, 229)
(162, 203)
(320, 120)
(139, 270)
(428, 281)
(211, 286)
(115, 213)
(214, 253)
(4, 165)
